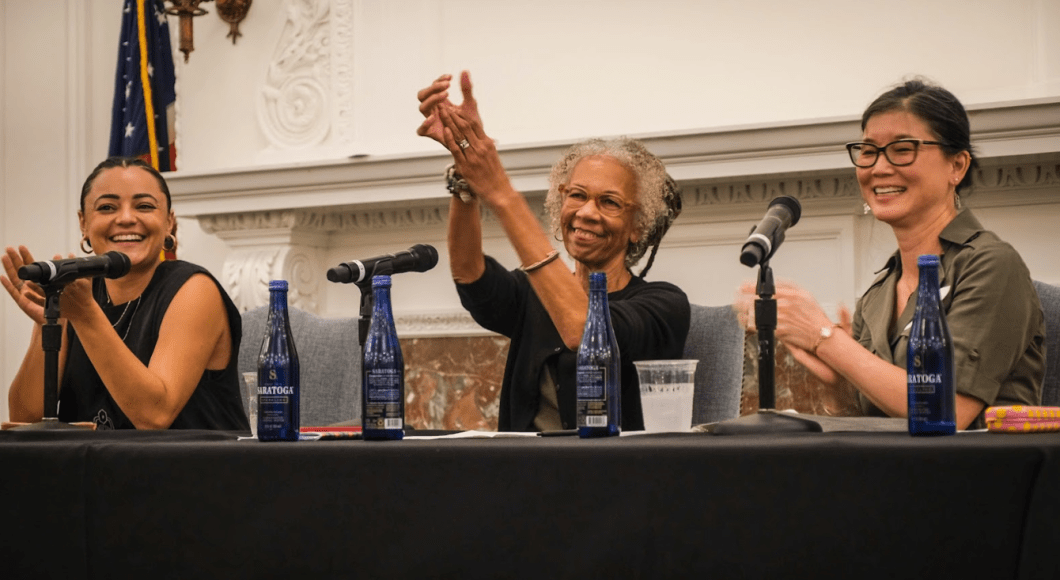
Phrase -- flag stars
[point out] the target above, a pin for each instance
(129, 130)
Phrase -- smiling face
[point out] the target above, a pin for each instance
(922, 191)
(126, 210)
(597, 214)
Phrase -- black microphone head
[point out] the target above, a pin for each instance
(119, 264)
(427, 257)
(336, 274)
(792, 205)
(30, 272)
(751, 255)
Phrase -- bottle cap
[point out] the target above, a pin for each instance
(278, 285)
(381, 281)
(927, 260)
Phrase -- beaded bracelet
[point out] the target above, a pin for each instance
(551, 256)
(457, 185)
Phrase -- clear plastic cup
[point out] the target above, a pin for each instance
(250, 382)
(667, 388)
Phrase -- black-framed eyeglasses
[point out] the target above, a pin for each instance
(899, 153)
(607, 204)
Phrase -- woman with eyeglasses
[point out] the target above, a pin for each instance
(609, 202)
(913, 161)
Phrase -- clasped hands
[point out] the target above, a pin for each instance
(799, 316)
(460, 130)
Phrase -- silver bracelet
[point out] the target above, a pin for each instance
(551, 256)
(457, 185)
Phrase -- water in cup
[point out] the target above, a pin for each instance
(667, 389)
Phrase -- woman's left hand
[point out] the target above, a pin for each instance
(474, 154)
(799, 317)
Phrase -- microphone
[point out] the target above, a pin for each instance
(418, 258)
(767, 236)
(59, 272)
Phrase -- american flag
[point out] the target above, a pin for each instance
(144, 87)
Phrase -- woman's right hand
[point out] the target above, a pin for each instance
(27, 295)
(437, 95)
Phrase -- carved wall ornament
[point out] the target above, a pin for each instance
(247, 273)
(307, 94)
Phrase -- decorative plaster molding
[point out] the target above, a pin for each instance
(294, 110)
(448, 324)
(247, 273)
(342, 27)
(1018, 132)
(991, 180)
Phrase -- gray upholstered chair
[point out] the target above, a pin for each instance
(329, 356)
(716, 340)
(1049, 296)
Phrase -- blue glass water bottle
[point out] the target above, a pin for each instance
(278, 373)
(383, 387)
(599, 368)
(932, 398)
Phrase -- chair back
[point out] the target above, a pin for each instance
(329, 357)
(716, 340)
(1049, 296)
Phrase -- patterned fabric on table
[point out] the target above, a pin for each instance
(1022, 419)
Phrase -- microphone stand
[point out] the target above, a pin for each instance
(768, 419)
(51, 342)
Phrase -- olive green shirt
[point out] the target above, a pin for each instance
(992, 312)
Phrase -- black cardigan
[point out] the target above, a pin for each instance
(650, 320)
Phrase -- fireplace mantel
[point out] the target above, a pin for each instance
(279, 220)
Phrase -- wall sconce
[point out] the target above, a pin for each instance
(231, 11)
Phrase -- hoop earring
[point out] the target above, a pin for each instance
(84, 241)
(170, 243)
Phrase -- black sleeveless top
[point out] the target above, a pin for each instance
(216, 402)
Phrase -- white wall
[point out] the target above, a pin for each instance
(546, 70)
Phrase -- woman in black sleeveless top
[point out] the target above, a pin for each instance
(154, 349)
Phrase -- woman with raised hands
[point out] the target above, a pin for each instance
(609, 202)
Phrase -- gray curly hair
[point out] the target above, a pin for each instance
(653, 187)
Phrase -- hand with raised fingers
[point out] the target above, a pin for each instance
(27, 295)
(436, 97)
(474, 154)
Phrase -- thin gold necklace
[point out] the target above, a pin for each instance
(122, 317)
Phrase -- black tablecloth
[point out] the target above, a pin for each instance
(823, 505)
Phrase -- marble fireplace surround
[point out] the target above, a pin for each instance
(280, 222)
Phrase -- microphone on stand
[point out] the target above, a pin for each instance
(418, 258)
(763, 242)
(62, 272)
(53, 276)
(767, 236)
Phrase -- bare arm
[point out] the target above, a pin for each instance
(194, 336)
(555, 285)
(466, 260)
(479, 164)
